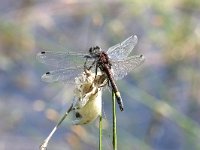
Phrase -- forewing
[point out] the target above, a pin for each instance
(122, 67)
(61, 59)
(64, 75)
(122, 50)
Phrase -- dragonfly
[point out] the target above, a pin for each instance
(115, 63)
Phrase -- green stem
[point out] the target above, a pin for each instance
(100, 132)
(114, 122)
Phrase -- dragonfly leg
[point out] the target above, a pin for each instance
(85, 64)
(92, 65)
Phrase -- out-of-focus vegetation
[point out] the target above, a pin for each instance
(161, 98)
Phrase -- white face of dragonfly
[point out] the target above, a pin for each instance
(88, 97)
(94, 50)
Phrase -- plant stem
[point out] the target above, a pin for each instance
(100, 132)
(46, 141)
(114, 122)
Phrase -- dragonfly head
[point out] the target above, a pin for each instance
(94, 50)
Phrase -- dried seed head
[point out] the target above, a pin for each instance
(88, 97)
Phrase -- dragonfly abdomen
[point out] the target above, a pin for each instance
(114, 86)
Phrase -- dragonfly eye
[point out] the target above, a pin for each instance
(97, 47)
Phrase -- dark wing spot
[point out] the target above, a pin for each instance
(48, 73)
(43, 52)
(141, 56)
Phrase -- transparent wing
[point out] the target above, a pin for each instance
(61, 59)
(122, 67)
(122, 50)
(64, 75)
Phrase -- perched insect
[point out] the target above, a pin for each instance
(114, 62)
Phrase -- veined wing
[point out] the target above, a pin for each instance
(122, 50)
(122, 67)
(61, 59)
(64, 75)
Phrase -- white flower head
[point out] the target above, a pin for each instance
(87, 103)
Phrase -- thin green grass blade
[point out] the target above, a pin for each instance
(100, 132)
(114, 122)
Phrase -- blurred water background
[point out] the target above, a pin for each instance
(161, 98)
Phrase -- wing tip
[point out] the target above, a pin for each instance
(142, 58)
(135, 38)
(40, 55)
(46, 77)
